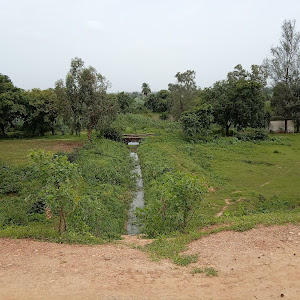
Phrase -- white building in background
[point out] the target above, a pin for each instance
(278, 126)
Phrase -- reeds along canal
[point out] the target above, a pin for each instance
(138, 200)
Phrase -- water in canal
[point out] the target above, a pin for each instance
(138, 200)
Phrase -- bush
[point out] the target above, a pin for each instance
(102, 210)
(179, 194)
(56, 183)
(72, 156)
(197, 122)
(159, 102)
(11, 178)
(92, 216)
(253, 135)
(13, 211)
(164, 115)
(112, 134)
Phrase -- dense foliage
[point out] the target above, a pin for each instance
(12, 104)
(284, 70)
(85, 99)
(197, 122)
(79, 103)
(41, 111)
(159, 102)
(56, 184)
(92, 194)
(174, 200)
(183, 92)
(239, 100)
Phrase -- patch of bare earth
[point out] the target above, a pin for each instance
(65, 146)
(261, 263)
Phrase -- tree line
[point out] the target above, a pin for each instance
(81, 102)
(243, 99)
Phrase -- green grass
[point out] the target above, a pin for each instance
(15, 151)
(238, 170)
(144, 123)
(197, 271)
(208, 271)
(48, 233)
(261, 179)
(98, 214)
(255, 167)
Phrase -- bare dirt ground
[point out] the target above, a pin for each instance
(262, 263)
(66, 146)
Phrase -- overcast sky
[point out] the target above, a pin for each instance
(136, 41)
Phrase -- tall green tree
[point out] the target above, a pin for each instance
(284, 70)
(98, 109)
(183, 92)
(42, 111)
(159, 102)
(146, 89)
(84, 99)
(12, 104)
(239, 100)
(72, 92)
(124, 101)
(218, 96)
(64, 107)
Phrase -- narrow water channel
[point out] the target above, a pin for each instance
(138, 200)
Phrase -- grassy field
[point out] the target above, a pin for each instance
(15, 151)
(247, 183)
(242, 172)
(238, 170)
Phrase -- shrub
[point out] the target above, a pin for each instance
(258, 134)
(164, 115)
(72, 156)
(179, 195)
(10, 178)
(56, 183)
(92, 216)
(159, 102)
(102, 210)
(13, 211)
(112, 134)
(196, 123)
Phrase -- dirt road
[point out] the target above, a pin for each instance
(259, 264)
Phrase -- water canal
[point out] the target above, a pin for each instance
(138, 200)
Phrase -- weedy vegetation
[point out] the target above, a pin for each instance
(186, 183)
(79, 197)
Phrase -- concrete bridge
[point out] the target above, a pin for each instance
(127, 138)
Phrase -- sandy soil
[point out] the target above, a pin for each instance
(262, 263)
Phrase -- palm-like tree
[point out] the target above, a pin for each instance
(146, 89)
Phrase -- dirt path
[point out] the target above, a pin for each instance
(220, 213)
(259, 264)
